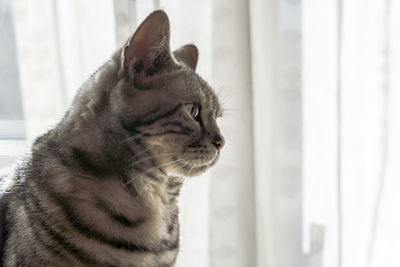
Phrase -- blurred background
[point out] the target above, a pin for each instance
(308, 177)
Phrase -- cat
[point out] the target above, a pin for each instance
(100, 188)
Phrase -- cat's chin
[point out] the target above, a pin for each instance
(190, 170)
(184, 173)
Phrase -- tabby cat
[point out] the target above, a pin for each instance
(100, 188)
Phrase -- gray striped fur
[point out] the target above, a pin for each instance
(100, 188)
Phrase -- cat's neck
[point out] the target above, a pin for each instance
(150, 180)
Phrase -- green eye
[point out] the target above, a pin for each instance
(193, 110)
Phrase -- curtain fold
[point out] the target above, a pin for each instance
(369, 148)
(232, 232)
(277, 108)
(320, 146)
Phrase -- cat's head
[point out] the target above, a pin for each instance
(164, 107)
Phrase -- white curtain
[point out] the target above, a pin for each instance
(309, 174)
(232, 221)
(351, 94)
(58, 48)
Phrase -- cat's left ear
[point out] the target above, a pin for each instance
(188, 54)
(148, 49)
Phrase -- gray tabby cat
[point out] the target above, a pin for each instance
(100, 188)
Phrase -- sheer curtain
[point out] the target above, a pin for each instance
(350, 93)
(309, 175)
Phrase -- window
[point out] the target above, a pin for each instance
(12, 130)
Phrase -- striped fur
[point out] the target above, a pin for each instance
(100, 188)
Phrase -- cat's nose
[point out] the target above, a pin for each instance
(219, 143)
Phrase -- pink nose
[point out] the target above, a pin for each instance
(219, 144)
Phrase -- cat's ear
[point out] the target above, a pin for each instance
(187, 54)
(148, 49)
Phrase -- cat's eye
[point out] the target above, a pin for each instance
(193, 110)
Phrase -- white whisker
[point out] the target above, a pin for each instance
(153, 156)
(144, 151)
(132, 138)
(153, 168)
(148, 183)
(191, 169)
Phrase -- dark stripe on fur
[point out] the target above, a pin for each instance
(166, 132)
(147, 174)
(119, 217)
(57, 237)
(178, 124)
(172, 185)
(4, 206)
(88, 163)
(170, 228)
(34, 218)
(173, 223)
(165, 115)
(89, 232)
(171, 245)
(174, 193)
(131, 127)
(150, 113)
(53, 148)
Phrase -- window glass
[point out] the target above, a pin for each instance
(12, 133)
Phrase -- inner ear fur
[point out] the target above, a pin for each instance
(148, 49)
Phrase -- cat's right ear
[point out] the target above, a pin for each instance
(148, 49)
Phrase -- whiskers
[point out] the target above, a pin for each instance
(166, 164)
(153, 157)
(193, 165)
(132, 138)
(144, 151)
(150, 182)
